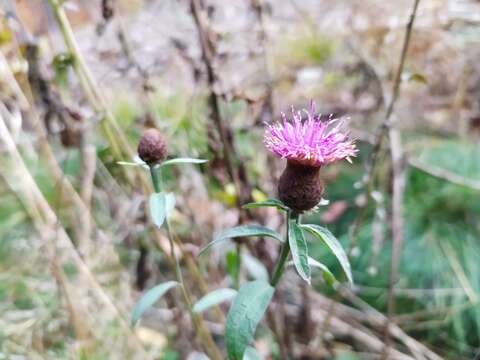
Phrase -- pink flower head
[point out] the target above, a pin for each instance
(311, 141)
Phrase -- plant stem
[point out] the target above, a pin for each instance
(238, 264)
(284, 252)
(197, 321)
(156, 180)
(277, 274)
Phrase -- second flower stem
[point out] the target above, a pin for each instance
(205, 336)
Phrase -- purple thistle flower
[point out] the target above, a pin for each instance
(311, 142)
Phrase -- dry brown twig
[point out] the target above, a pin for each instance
(237, 173)
(398, 172)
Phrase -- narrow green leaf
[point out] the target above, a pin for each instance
(267, 203)
(242, 231)
(150, 298)
(127, 163)
(299, 249)
(136, 162)
(161, 205)
(213, 298)
(251, 354)
(247, 310)
(333, 244)
(183, 161)
(326, 273)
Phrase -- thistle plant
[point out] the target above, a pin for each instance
(307, 145)
(152, 152)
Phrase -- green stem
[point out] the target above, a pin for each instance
(238, 264)
(284, 252)
(157, 184)
(156, 179)
(196, 320)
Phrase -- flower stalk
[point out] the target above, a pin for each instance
(238, 264)
(284, 252)
(197, 321)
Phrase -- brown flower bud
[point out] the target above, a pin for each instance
(300, 187)
(152, 148)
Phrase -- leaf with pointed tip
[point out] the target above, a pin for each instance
(242, 231)
(267, 203)
(247, 310)
(136, 162)
(326, 273)
(299, 249)
(128, 163)
(150, 298)
(333, 244)
(161, 205)
(183, 161)
(214, 298)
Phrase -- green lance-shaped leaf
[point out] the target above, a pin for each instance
(326, 273)
(128, 163)
(247, 310)
(136, 162)
(150, 298)
(213, 298)
(333, 244)
(161, 205)
(266, 203)
(183, 161)
(299, 249)
(242, 231)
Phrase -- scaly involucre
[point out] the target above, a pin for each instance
(311, 141)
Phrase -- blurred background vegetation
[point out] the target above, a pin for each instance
(77, 247)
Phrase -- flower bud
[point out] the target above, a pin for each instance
(300, 187)
(152, 148)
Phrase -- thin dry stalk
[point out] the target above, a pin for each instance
(237, 174)
(398, 167)
(78, 314)
(88, 156)
(113, 132)
(383, 129)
